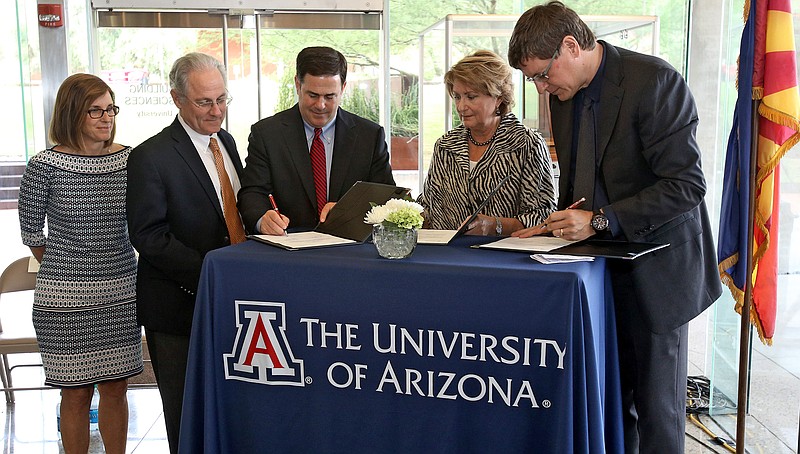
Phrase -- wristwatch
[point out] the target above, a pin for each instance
(499, 227)
(599, 221)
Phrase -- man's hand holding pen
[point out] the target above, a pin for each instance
(577, 203)
(571, 224)
(273, 222)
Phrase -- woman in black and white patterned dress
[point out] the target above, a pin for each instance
(84, 307)
(490, 144)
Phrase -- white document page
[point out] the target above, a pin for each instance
(548, 259)
(532, 244)
(433, 236)
(304, 240)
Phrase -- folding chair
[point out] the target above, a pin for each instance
(16, 327)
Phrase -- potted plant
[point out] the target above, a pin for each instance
(405, 130)
(405, 122)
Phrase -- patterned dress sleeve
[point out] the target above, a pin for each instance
(537, 193)
(445, 193)
(34, 192)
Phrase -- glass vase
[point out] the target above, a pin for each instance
(394, 242)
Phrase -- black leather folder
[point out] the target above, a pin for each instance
(346, 218)
(609, 249)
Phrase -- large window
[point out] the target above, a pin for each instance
(784, 349)
(135, 60)
(20, 81)
(260, 64)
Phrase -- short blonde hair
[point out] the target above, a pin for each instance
(486, 72)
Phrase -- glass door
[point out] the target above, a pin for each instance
(135, 51)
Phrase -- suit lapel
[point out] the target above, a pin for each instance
(561, 121)
(343, 149)
(186, 150)
(230, 147)
(294, 138)
(561, 118)
(610, 99)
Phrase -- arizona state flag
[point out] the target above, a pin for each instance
(767, 72)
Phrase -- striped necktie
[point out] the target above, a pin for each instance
(320, 172)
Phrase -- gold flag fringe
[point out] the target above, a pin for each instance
(785, 120)
(738, 297)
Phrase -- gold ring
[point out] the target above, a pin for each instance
(561, 232)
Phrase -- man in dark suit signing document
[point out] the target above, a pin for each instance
(308, 156)
(181, 204)
(624, 128)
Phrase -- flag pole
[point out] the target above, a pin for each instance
(744, 337)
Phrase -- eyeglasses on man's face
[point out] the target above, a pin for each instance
(97, 112)
(542, 76)
(207, 104)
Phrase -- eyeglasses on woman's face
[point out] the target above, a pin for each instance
(96, 112)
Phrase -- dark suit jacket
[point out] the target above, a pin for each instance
(650, 164)
(174, 219)
(278, 162)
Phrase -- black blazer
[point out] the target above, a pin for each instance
(650, 164)
(174, 219)
(278, 162)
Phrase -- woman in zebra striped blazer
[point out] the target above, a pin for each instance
(490, 144)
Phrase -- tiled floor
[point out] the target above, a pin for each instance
(30, 423)
(772, 422)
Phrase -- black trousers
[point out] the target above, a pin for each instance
(653, 371)
(169, 354)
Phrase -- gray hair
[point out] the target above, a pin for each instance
(194, 61)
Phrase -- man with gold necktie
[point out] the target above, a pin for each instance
(181, 203)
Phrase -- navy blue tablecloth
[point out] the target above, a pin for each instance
(451, 350)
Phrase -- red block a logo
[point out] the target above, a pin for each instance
(261, 353)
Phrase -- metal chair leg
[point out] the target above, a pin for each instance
(5, 376)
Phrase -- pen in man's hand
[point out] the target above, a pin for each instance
(274, 205)
(574, 205)
(577, 203)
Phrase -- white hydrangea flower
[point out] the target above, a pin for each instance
(377, 214)
(399, 204)
(405, 212)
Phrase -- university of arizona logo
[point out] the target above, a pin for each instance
(261, 353)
